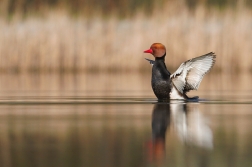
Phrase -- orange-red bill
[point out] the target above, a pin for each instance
(148, 51)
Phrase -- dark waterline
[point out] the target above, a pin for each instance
(124, 132)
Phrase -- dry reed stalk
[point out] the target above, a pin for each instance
(61, 43)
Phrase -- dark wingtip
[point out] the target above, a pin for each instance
(213, 55)
(150, 61)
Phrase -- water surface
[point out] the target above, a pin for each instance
(115, 120)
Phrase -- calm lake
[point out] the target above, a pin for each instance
(114, 120)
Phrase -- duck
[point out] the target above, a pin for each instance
(188, 76)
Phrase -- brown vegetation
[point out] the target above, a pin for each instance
(60, 42)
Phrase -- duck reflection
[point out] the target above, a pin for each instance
(160, 122)
(190, 126)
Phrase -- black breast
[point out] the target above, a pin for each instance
(161, 82)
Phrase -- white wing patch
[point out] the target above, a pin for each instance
(190, 73)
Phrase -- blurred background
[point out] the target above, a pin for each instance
(75, 88)
(94, 35)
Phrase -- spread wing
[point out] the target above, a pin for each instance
(190, 73)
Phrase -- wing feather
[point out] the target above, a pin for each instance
(150, 61)
(190, 73)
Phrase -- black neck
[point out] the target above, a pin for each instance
(161, 58)
(160, 63)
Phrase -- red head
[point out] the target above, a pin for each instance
(157, 50)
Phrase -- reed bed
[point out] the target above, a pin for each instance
(60, 42)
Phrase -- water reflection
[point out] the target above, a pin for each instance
(74, 120)
(160, 122)
(189, 123)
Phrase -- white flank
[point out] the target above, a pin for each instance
(175, 95)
